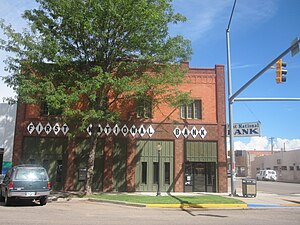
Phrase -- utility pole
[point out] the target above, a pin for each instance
(230, 108)
(272, 138)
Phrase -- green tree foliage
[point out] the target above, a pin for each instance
(97, 52)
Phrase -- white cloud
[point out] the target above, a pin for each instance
(264, 143)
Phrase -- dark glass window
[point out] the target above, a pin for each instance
(144, 172)
(47, 111)
(155, 172)
(144, 108)
(192, 110)
(283, 167)
(167, 173)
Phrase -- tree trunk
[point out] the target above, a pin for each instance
(91, 161)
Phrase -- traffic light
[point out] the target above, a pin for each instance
(280, 71)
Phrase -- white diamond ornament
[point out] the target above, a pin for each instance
(65, 129)
(177, 132)
(194, 132)
(150, 131)
(142, 130)
(48, 128)
(202, 132)
(30, 128)
(125, 130)
(116, 129)
(56, 128)
(185, 132)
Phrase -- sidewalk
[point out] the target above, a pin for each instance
(262, 200)
(266, 200)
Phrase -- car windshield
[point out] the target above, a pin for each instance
(30, 174)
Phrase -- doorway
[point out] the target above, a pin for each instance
(200, 177)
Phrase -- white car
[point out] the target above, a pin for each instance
(266, 175)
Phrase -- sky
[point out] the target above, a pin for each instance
(259, 32)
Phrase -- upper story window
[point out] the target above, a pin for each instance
(144, 108)
(192, 110)
(47, 111)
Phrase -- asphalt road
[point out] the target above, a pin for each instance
(84, 213)
(279, 188)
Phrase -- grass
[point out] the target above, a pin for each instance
(144, 199)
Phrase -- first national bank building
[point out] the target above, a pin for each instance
(190, 141)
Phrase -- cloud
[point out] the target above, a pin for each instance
(243, 66)
(264, 143)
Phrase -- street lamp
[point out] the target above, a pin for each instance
(158, 147)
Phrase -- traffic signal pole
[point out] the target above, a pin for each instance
(230, 108)
(294, 45)
(294, 49)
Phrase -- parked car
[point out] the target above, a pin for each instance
(266, 175)
(25, 182)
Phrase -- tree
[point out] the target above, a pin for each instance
(98, 52)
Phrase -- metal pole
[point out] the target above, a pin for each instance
(158, 170)
(230, 108)
(294, 44)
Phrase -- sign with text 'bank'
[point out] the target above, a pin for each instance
(245, 129)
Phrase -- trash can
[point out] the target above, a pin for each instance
(249, 187)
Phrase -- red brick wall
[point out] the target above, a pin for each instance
(205, 84)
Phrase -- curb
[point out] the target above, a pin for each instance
(170, 205)
(203, 206)
(260, 205)
(117, 202)
(197, 205)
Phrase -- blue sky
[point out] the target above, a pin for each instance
(260, 31)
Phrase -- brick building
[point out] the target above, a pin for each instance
(191, 141)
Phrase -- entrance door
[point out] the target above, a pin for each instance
(200, 177)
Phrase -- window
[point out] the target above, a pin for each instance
(298, 168)
(144, 108)
(192, 110)
(155, 173)
(46, 111)
(283, 167)
(275, 168)
(291, 167)
(167, 173)
(144, 172)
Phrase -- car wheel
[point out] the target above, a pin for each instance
(43, 200)
(7, 200)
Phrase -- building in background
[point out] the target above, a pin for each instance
(191, 140)
(285, 163)
(243, 160)
(7, 132)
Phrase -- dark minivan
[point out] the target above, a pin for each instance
(25, 182)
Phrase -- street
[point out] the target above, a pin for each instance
(81, 212)
(279, 188)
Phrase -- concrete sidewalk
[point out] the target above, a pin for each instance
(262, 200)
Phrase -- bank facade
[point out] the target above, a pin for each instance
(184, 149)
